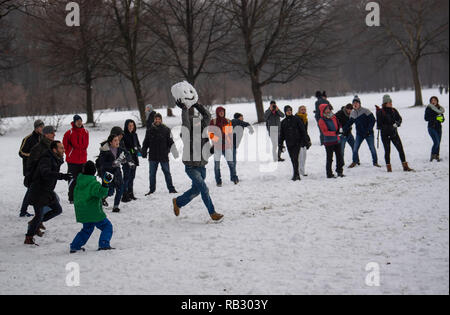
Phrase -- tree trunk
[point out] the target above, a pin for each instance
(139, 100)
(417, 85)
(89, 106)
(257, 94)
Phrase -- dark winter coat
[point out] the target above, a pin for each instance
(35, 155)
(158, 140)
(76, 143)
(431, 113)
(25, 148)
(343, 119)
(319, 102)
(329, 128)
(238, 134)
(131, 142)
(45, 177)
(386, 118)
(273, 118)
(187, 116)
(150, 119)
(364, 121)
(107, 162)
(293, 132)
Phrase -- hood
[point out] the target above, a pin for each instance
(125, 127)
(220, 108)
(85, 180)
(322, 108)
(104, 146)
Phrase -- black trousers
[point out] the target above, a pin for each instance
(336, 150)
(397, 142)
(294, 152)
(74, 169)
(43, 214)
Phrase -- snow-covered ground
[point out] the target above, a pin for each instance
(316, 236)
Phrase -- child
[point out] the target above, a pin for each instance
(88, 195)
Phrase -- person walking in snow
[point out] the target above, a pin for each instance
(221, 134)
(76, 143)
(330, 128)
(42, 190)
(434, 115)
(158, 140)
(365, 122)
(273, 117)
(194, 160)
(343, 117)
(25, 149)
(388, 122)
(294, 133)
(303, 115)
(88, 195)
(239, 125)
(133, 146)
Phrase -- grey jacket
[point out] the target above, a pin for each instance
(273, 119)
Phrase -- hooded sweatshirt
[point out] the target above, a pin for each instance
(88, 195)
(226, 128)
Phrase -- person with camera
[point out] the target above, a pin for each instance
(42, 195)
(273, 124)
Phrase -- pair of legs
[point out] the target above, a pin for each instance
(230, 158)
(397, 142)
(302, 161)
(370, 142)
(117, 188)
(73, 169)
(436, 136)
(336, 150)
(166, 170)
(197, 176)
(88, 228)
(294, 154)
(25, 204)
(347, 139)
(43, 214)
(129, 174)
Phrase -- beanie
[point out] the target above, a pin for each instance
(76, 118)
(387, 99)
(116, 131)
(356, 99)
(48, 130)
(287, 108)
(89, 168)
(319, 94)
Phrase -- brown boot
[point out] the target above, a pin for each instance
(39, 233)
(176, 209)
(406, 167)
(353, 165)
(29, 241)
(389, 168)
(216, 216)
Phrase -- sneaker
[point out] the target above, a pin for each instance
(73, 251)
(216, 216)
(176, 209)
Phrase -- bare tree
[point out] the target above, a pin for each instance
(281, 40)
(414, 30)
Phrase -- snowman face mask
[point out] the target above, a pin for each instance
(186, 93)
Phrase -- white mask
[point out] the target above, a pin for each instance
(185, 92)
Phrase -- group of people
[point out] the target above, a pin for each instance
(119, 156)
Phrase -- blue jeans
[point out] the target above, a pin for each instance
(350, 140)
(118, 189)
(436, 136)
(25, 203)
(371, 142)
(83, 236)
(197, 175)
(129, 174)
(230, 158)
(166, 170)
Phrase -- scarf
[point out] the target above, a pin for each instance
(440, 110)
(304, 117)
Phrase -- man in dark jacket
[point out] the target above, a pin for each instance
(42, 196)
(25, 148)
(159, 140)
(133, 146)
(273, 122)
(294, 133)
(343, 117)
(196, 152)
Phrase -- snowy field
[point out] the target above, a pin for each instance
(278, 237)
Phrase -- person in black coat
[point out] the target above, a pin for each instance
(294, 133)
(150, 115)
(343, 117)
(42, 194)
(388, 121)
(25, 149)
(434, 115)
(133, 146)
(158, 140)
(239, 125)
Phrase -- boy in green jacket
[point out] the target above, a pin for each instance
(88, 195)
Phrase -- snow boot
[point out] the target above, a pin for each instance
(216, 216)
(389, 168)
(341, 175)
(296, 177)
(176, 209)
(126, 198)
(406, 167)
(331, 176)
(116, 210)
(219, 184)
(438, 158)
(173, 191)
(131, 196)
(29, 240)
(353, 165)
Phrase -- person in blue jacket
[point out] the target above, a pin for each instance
(365, 123)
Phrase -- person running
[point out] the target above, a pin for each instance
(158, 140)
(388, 121)
(273, 124)
(76, 143)
(195, 158)
(365, 122)
(434, 115)
(25, 149)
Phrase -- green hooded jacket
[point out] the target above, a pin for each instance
(88, 195)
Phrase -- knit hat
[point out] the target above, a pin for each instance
(76, 118)
(38, 123)
(387, 99)
(287, 108)
(89, 168)
(324, 94)
(149, 107)
(116, 131)
(48, 130)
(356, 99)
(319, 94)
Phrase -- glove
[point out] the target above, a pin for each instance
(67, 177)
(440, 118)
(107, 179)
(211, 150)
(180, 104)
(308, 146)
(132, 165)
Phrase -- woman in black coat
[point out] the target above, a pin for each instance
(133, 146)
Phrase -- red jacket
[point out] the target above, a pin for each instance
(76, 142)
